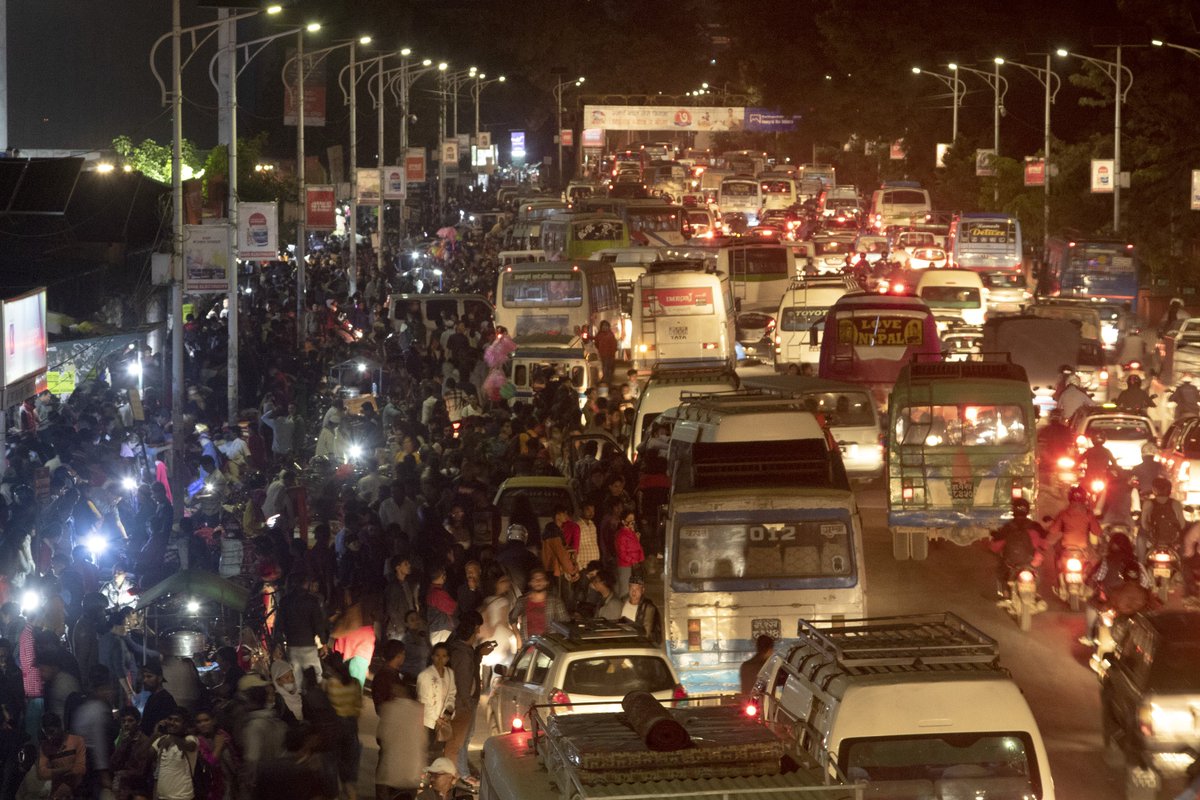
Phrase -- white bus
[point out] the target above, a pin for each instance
(777, 192)
(682, 316)
(762, 532)
(740, 194)
(759, 272)
(557, 300)
(653, 223)
(899, 203)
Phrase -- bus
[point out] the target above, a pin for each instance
(985, 242)
(556, 301)
(899, 203)
(740, 194)
(571, 236)
(1098, 269)
(652, 222)
(761, 531)
(869, 338)
(745, 162)
(825, 173)
(759, 273)
(777, 192)
(682, 316)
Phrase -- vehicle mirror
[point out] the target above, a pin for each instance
(499, 669)
(812, 335)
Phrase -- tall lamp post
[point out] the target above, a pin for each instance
(957, 90)
(1122, 78)
(558, 90)
(476, 89)
(1051, 83)
(455, 80)
(999, 87)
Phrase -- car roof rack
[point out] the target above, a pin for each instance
(983, 365)
(861, 645)
(596, 630)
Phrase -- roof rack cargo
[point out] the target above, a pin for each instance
(596, 630)
(688, 374)
(677, 265)
(912, 642)
(998, 365)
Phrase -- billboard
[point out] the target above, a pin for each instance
(593, 137)
(665, 118)
(314, 90)
(258, 231)
(368, 185)
(205, 259)
(320, 208)
(24, 337)
(517, 140)
(770, 120)
(414, 165)
(1102, 175)
(395, 187)
(679, 301)
(1035, 171)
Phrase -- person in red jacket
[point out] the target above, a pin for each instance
(606, 347)
(629, 552)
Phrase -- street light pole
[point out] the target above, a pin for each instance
(954, 84)
(379, 167)
(177, 265)
(1051, 83)
(353, 271)
(301, 230)
(999, 87)
(558, 90)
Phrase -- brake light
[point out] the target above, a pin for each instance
(1134, 365)
(907, 493)
(778, 339)
(679, 693)
(1098, 486)
(560, 698)
(709, 346)
(693, 633)
(1185, 470)
(897, 288)
(750, 710)
(1103, 374)
(517, 725)
(1065, 462)
(1025, 576)
(770, 325)
(1082, 441)
(1074, 565)
(1017, 490)
(1161, 557)
(1154, 720)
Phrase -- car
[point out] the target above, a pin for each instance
(754, 332)
(1125, 434)
(1179, 451)
(959, 345)
(596, 663)
(543, 492)
(1008, 290)
(927, 258)
(831, 253)
(1149, 696)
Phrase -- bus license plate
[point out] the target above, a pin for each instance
(770, 627)
(962, 490)
(679, 332)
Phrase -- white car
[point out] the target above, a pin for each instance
(927, 258)
(1124, 435)
(961, 345)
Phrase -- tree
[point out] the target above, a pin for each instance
(154, 160)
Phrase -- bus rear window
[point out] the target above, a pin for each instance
(962, 426)
(905, 197)
(776, 187)
(738, 189)
(951, 296)
(552, 290)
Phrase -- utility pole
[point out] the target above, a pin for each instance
(301, 232)
(177, 265)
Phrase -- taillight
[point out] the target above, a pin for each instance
(1097, 486)
(1074, 565)
(750, 709)
(1065, 462)
(907, 492)
(1134, 365)
(1185, 470)
(1025, 576)
(1017, 490)
(679, 693)
(1082, 442)
(1161, 557)
(560, 698)
(1103, 374)
(778, 339)
(517, 725)
(693, 633)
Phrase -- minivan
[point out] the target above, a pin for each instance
(954, 295)
(800, 319)
(435, 309)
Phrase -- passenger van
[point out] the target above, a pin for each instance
(532, 367)
(663, 390)
(507, 257)
(899, 203)
(434, 309)
(777, 192)
(954, 295)
(914, 707)
(682, 314)
(800, 320)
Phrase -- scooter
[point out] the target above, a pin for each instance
(1022, 601)
(1070, 587)
(1104, 642)
(1163, 563)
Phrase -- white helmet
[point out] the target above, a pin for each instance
(517, 533)
(1148, 449)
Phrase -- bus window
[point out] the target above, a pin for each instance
(962, 426)
(777, 549)
(552, 289)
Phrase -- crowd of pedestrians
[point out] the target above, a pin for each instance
(355, 516)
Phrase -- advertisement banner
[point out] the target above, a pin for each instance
(984, 168)
(517, 142)
(1196, 190)
(258, 231)
(593, 137)
(483, 140)
(368, 185)
(205, 259)
(414, 165)
(896, 151)
(450, 152)
(319, 208)
(678, 301)
(1035, 171)
(24, 337)
(940, 152)
(880, 331)
(665, 118)
(395, 187)
(770, 120)
(567, 137)
(314, 90)
(1102, 175)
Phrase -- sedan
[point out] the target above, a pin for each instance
(927, 258)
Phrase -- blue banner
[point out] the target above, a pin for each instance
(769, 120)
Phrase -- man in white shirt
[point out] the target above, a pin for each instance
(174, 756)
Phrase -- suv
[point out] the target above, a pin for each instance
(1180, 450)
(1149, 698)
(581, 663)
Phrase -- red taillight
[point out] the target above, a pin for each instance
(1082, 442)
(897, 288)
(1066, 462)
(1185, 470)
(1097, 486)
(559, 697)
(1134, 365)
(1017, 491)
(517, 725)
(1074, 565)
(1025, 576)
(679, 693)
(750, 709)
(907, 493)
(1160, 557)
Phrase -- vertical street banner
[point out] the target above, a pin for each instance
(414, 165)
(1102, 175)
(517, 144)
(567, 137)
(897, 150)
(320, 205)
(984, 163)
(314, 91)
(1035, 171)
(368, 186)
(483, 140)
(449, 155)
(205, 259)
(395, 186)
(258, 231)
(1195, 190)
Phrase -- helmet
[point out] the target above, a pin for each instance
(1119, 544)
(1077, 495)
(517, 533)
(1020, 507)
(1134, 382)
(1149, 450)
(1066, 369)
(1074, 379)
(1099, 439)
(1161, 487)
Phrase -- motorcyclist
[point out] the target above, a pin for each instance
(1097, 460)
(1162, 519)
(1073, 398)
(1145, 472)
(1018, 543)
(1118, 569)
(1186, 398)
(1055, 438)
(1189, 559)
(1075, 527)
(1134, 398)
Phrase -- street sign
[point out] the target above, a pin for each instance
(1102, 175)
(567, 137)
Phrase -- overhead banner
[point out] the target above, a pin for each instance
(24, 337)
(320, 204)
(984, 163)
(1196, 190)
(1035, 171)
(665, 118)
(770, 120)
(206, 259)
(414, 165)
(593, 137)
(314, 90)
(1102, 175)
(368, 185)
(258, 231)
(395, 187)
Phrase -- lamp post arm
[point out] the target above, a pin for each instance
(196, 44)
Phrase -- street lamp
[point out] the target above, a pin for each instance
(1122, 78)
(1189, 50)
(477, 89)
(999, 88)
(957, 90)
(558, 90)
(1051, 83)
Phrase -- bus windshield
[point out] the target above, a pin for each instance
(738, 188)
(654, 219)
(781, 548)
(543, 289)
(599, 231)
(962, 426)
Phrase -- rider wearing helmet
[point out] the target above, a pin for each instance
(1019, 542)
(1162, 518)
(1076, 525)
(1186, 398)
(1117, 581)
(1097, 460)
(1134, 398)
(1073, 397)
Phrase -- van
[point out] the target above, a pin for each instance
(913, 706)
(530, 368)
(507, 257)
(899, 203)
(663, 390)
(434, 309)
(954, 295)
(800, 319)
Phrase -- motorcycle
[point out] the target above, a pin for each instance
(1022, 601)
(1163, 563)
(1104, 642)
(1070, 587)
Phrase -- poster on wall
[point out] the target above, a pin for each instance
(258, 231)
(205, 259)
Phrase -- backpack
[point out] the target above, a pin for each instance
(1165, 528)
(1018, 547)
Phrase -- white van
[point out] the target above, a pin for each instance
(663, 391)
(433, 310)
(800, 320)
(899, 203)
(507, 257)
(530, 368)
(954, 295)
(912, 706)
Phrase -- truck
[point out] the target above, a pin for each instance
(595, 755)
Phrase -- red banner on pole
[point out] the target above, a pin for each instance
(1035, 171)
(319, 208)
(414, 167)
(567, 137)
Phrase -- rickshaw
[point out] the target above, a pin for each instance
(960, 448)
